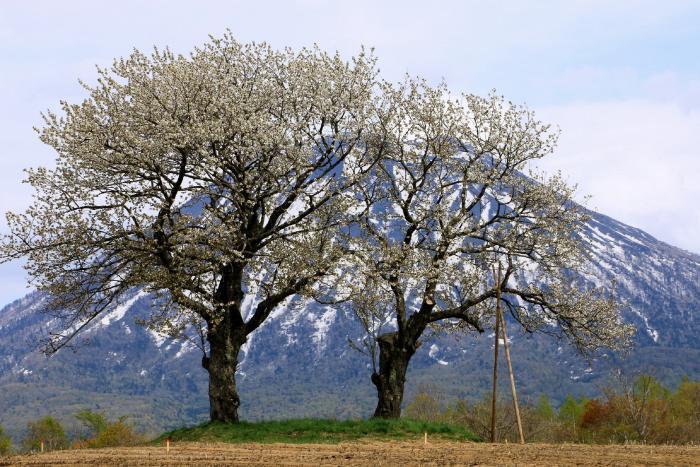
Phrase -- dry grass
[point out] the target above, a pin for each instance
(382, 453)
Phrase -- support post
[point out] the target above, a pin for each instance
(510, 370)
(495, 356)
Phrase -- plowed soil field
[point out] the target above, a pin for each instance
(383, 453)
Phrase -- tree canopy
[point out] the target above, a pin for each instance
(227, 181)
(454, 198)
(203, 179)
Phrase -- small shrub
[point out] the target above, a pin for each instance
(106, 434)
(5, 443)
(118, 433)
(424, 407)
(685, 413)
(595, 414)
(544, 409)
(79, 444)
(94, 422)
(48, 430)
(571, 411)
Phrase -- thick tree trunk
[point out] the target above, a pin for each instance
(394, 357)
(224, 345)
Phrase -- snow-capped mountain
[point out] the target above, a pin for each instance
(299, 362)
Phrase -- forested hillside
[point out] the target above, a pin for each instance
(302, 365)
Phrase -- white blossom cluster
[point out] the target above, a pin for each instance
(201, 178)
(240, 169)
(448, 204)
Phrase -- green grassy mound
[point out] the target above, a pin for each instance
(317, 431)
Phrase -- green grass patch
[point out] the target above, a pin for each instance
(317, 431)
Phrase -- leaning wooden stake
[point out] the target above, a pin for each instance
(495, 358)
(499, 316)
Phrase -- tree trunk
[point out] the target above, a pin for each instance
(224, 345)
(394, 357)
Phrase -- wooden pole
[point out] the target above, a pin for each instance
(510, 370)
(495, 355)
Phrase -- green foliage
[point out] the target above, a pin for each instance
(119, 433)
(317, 431)
(151, 412)
(105, 433)
(642, 410)
(685, 402)
(47, 430)
(649, 387)
(570, 411)
(95, 422)
(544, 408)
(5, 442)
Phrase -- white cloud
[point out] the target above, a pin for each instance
(638, 159)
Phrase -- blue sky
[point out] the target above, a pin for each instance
(621, 79)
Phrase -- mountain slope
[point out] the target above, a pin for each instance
(300, 364)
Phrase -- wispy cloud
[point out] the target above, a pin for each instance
(638, 159)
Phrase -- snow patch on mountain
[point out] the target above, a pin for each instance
(117, 314)
(434, 349)
(293, 314)
(322, 324)
(653, 333)
(185, 348)
(158, 338)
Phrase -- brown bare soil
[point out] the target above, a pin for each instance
(370, 453)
